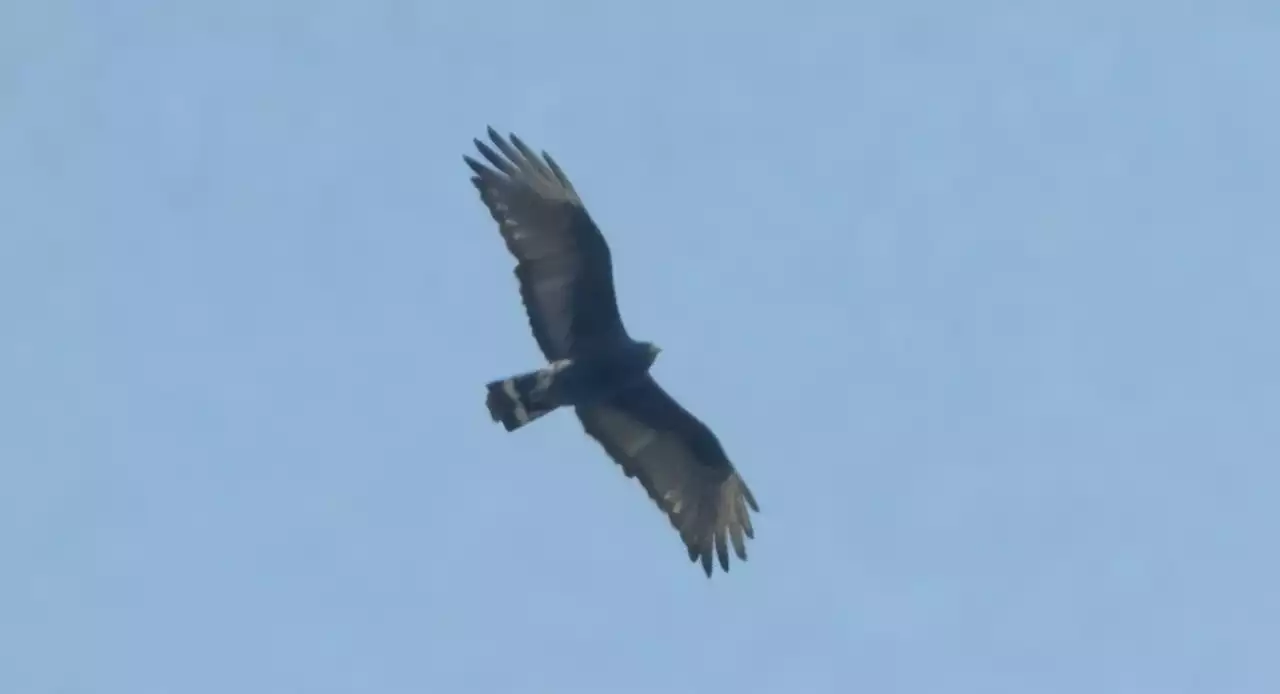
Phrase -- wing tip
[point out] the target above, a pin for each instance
(746, 493)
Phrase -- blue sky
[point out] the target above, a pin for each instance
(979, 297)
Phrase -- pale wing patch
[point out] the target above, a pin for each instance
(673, 497)
(556, 282)
(633, 448)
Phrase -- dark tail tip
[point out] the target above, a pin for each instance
(495, 401)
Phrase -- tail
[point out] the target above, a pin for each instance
(516, 401)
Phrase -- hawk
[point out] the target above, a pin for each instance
(565, 275)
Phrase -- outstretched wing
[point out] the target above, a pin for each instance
(563, 263)
(680, 463)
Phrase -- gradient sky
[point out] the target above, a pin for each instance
(980, 298)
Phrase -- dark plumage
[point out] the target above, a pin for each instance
(565, 275)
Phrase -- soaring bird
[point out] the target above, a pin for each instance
(565, 275)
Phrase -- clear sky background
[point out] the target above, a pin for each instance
(980, 297)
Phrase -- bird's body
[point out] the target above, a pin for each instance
(565, 275)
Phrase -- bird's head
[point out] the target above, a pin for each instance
(651, 351)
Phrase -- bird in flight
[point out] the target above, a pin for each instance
(565, 274)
